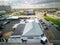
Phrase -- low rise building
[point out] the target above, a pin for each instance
(29, 32)
(29, 12)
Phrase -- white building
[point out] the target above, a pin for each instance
(31, 32)
(29, 12)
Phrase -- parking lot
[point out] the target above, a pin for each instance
(8, 31)
(8, 27)
(52, 33)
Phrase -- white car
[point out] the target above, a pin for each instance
(22, 21)
(43, 39)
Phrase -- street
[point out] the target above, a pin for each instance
(51, 33)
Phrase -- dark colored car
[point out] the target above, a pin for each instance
(58, 28)
(51, 23)
(42, 23)
(1, 26)
(6, 22)
(45, 27)
(2, 18)
(40, 20)
(1, 33)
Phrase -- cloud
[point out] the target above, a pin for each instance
(45, 5)
(34, 3)
(3, 0)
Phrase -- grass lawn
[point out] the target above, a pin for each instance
(57, 22)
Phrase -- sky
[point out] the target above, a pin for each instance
(33, 3)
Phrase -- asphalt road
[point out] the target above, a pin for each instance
(8, 27)
(52, 29)
(52, 33)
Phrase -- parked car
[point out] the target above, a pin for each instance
(45, 27)
(58, 28)
(42, 23)
(1, 33)
(51, 23)
(43, 39)
(22, 21)
(2, 18)
(1, 27)
(55, 25)
(40, 20)
(6, 22)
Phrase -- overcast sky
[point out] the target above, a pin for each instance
(33, 3)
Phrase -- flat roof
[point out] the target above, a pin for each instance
(28, 29)
(32, 29)
(19, 29)
(13, 17)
